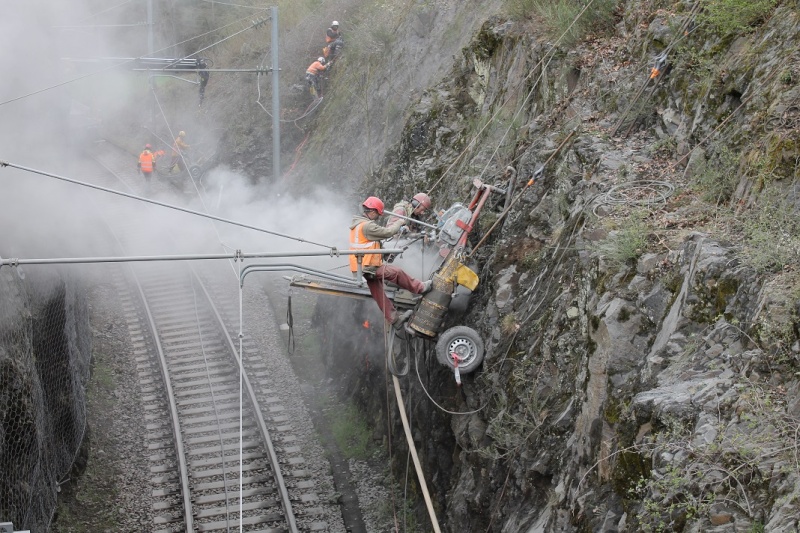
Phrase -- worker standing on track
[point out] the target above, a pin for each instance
(367, 234)
(147, 164)
(178, 147)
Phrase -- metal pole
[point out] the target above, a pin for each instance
(276, 100)
(150, 48)
(15, 262)
(391, 214)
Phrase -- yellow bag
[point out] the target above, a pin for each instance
(466, 277)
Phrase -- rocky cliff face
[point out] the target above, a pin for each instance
(639, 300)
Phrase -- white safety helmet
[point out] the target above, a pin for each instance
(321, 59)
(335, 23)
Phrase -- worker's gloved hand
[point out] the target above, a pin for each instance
(403, 230)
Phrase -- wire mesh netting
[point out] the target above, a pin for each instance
(45, 347)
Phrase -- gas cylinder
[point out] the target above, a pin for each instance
(431, 311)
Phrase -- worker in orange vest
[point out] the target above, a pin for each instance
(332, 33)
(313, 73)
(333, 42)
(147, 164)
(367, 234)
(178, 147)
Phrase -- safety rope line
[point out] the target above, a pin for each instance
(425, 390)
(655, 73)
(519, 195)
(115, 65)
(541, 63)
(412, 448)
(297, 153)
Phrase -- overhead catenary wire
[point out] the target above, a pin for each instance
(104, 11)
(116, 65)
(216, 3)
(162, 204)
(254, 24)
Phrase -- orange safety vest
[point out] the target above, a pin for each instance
(315, 68)
(147, 160)
(359, 242)
(331, 35)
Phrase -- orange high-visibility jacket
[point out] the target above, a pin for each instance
(315, 68)
(147, 161)
(359, 242)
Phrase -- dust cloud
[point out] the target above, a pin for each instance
(62, 101)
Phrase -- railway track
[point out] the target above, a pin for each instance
(222, 451)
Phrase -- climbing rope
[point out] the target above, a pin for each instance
(519, 195)
(541, 63)
(412, 448)
(434, 402)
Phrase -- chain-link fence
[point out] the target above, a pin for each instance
(44, 367)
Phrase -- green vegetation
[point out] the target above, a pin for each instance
(672, 479)
(735, 17)
(716, 178)
(771, 232)
(351, 433)
(566, 21)
(627, 243)
(509, 324)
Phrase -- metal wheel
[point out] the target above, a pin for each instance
(195, 171)
(465, 343)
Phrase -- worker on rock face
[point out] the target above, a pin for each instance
(332, 33)
(333, 41)
(313, 73)
(367, 234)
(414, 208)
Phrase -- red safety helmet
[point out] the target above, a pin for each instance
(421, 199)
(375, 203)
(147, 146)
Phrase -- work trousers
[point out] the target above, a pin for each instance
(394, 275)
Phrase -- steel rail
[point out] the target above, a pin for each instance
(177, 436)
(175, 414)
(254, 404)
(173, 409)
